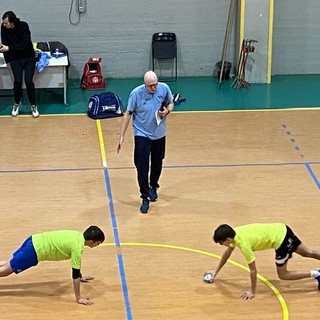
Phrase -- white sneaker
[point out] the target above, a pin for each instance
(34, 111)
(15, 109)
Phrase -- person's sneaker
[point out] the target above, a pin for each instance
(318, 279)
(153, 194)
(144, 208)
(15, 109)
(34, 111)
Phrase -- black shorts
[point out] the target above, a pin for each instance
(289, 245)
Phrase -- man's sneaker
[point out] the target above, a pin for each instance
(34, 111)
(15, 109)
(318, 279)
(144, 208)
(153, 194)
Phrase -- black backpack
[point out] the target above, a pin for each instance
(104, 105)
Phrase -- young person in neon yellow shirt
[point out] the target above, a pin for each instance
(55, 246)
(254, 237)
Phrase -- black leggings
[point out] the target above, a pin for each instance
(148, 151)
(17, 67)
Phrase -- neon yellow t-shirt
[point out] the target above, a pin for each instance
(59, 245)
(258, 236)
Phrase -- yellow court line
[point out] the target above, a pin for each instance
(250, 110)
(285, 312)
(242, 19)
(270, 41)
(181, 112)
(101, 143)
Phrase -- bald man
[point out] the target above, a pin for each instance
(149, 105)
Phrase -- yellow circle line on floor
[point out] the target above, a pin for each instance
(285, 312)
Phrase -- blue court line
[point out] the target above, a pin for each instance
(224, 165)
(114, 222)
(118, 246)
(293, 141)
(306, 164)
(184, 166)
(313, 176)
(48, 170)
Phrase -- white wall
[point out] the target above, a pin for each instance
(120, 32)
(296, 48)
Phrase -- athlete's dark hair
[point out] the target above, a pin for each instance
(223, 232)
(94, 233)
(12, 18)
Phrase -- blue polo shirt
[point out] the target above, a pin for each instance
(144, 106)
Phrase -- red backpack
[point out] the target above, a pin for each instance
(92, 77)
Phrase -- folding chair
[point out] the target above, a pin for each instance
(164, 49)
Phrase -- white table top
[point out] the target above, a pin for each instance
(2, 62)
(53, 62)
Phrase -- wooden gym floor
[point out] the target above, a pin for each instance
(63, 172)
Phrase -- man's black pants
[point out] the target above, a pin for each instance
(148, 153)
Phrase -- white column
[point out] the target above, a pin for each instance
(257, 18)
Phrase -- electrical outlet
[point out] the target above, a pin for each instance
(81, 6)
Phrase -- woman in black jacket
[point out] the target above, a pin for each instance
(18, 50)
